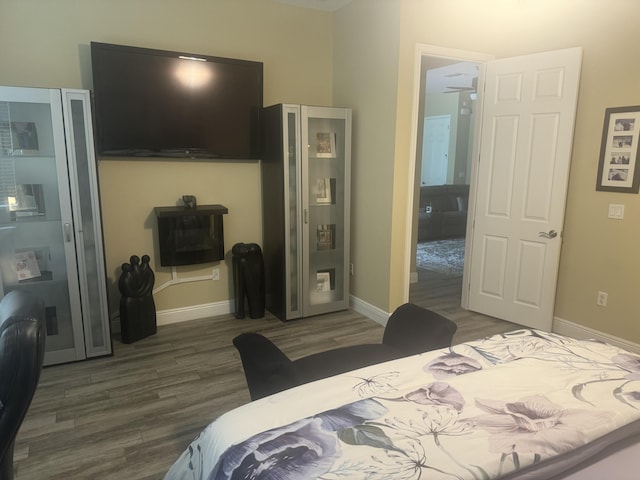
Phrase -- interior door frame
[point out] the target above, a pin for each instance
(422, 50)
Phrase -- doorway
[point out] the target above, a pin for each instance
(435, 288)
(444, 141)
(535, 95)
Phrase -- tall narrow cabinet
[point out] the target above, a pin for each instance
(50, 229)
(306, 177)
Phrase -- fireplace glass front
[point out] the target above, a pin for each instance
(189, 236)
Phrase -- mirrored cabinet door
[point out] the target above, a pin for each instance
(38, 236)
(326, 135)
(76, 107)
(293, 238)
(37, 250)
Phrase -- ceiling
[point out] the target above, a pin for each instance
(327, 5)
(443, 77)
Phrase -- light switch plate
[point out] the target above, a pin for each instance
(616, 211)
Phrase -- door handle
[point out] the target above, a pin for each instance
(549, 234)
(67, 232)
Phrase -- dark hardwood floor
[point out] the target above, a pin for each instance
(130, 415)
(442, 293)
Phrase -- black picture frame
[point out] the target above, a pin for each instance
(24, 137)
(618, 168)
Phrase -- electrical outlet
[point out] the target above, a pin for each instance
(351, 269)
(602, 299)
(215, 274)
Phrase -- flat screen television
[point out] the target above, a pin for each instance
(162, 103)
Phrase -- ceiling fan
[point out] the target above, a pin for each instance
(458, 88)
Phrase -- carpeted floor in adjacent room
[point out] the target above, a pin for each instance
(443, 256)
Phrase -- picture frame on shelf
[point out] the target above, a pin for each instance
(325, 145)
(618, 169)
(42, 256)
(326, 237)
(26, 265)
(326, 280)
(323, 190)
(24, 138)
(28, 201)
(323, 282)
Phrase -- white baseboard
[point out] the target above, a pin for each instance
(413, 277)
(570, 329)
(177, 315)
(374, 313)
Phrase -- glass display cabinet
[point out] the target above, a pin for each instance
(50, 229)
(306, 169)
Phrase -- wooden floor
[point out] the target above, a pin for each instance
(442, 294)
(127, 417)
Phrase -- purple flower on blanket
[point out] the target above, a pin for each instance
(633, 396)
(437, 393)
(628, 362)
(535, 425)
(452, 364)
(300, 450)
(304, 449)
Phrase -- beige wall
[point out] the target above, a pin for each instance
(598, 253)
(362, 57)
(365, 65)
(46, 44)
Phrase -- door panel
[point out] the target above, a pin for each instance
(435, 164)
(494, 264)
(525, 150)
(503, 156)
(530, 260)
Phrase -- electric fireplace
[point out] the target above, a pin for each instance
(189, 236)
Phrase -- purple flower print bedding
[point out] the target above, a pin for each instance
(506, 406)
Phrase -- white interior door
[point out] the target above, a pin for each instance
(528, 118)
(435, 160)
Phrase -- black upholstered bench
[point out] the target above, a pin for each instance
(410, 330)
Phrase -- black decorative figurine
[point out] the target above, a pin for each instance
(137, 308)
(189, 201)
(248, 279)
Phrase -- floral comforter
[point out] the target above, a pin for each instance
(487, 409)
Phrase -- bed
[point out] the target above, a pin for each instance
(522, 405)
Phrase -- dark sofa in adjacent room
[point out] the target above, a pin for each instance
(447, 217)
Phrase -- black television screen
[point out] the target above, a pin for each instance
(161, 103)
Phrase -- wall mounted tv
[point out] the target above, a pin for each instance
(161, 103)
